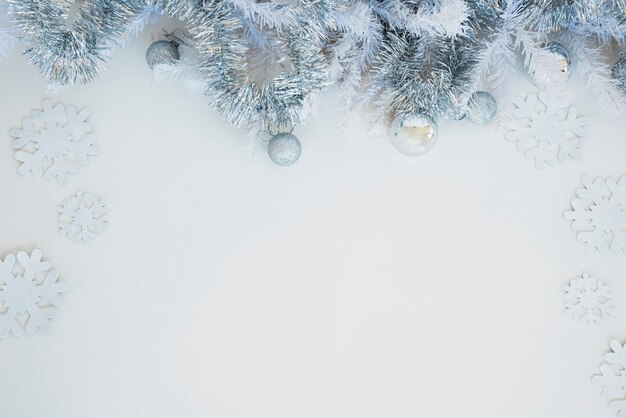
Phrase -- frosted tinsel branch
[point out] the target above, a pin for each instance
(593, 67)
(442, 17)
(187, 69)
(353, 47)
(8, 37)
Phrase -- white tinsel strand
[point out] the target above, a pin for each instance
(186, 69)
(593, 67)
(8, 37)
(441, 17)
(539, 61)
(146, 15)
(352, 48)
(497, 57)
(284, 14)
(270, 14)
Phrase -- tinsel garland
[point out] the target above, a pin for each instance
(392, 56)
(74, 55)
(423, 75)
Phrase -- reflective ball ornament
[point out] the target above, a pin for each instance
(562, 56)
(481, 107)
(413, 135)
(284, 149)
(162, 52)
(618, 72)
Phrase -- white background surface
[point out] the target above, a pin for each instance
(353, 284)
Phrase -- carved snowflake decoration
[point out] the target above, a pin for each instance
(546, 129)
(599, 214)
(54, 142)
(29, 293)
(613, 378)
(587, 299)
(82, 217)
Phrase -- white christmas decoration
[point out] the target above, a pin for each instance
(8, 37)
(82, 217)
(185, 69)
(54, 142)
(29, 293)
(599, 214)
(613, 378)
(594, 67)
(587, 299)
(546, 129)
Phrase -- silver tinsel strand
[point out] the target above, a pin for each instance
(398, 56)
(224, 65)
(427, 74)
(76, 54)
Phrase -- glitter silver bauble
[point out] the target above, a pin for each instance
(284, 149)
(413, 135)
(162, 52)
(481, 107)
(562, 55)
(618, 72)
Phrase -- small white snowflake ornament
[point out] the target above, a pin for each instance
(546, 129)
(599, 214)
(82, 217)
(54, 142)
(613, 378)
(29, 293)
(587, 299)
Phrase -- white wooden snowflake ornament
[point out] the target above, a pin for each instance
(613, 378)
(546, 129)
(587, 299)
(29, 293)
(82, 217)
(54, 142)
(599, 214)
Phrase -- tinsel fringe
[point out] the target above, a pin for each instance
(263, 63)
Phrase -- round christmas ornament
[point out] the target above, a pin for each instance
(413, 135)
(481, 107)
(162, 52)
(284, 149)
(561, 55)
(618, 72)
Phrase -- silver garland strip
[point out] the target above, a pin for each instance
(418, 69)
(224, 65)
(428, 75)
(76, 54)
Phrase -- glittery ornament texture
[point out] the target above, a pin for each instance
(162, 52)
(284, 149)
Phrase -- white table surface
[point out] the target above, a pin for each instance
(353, 284)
